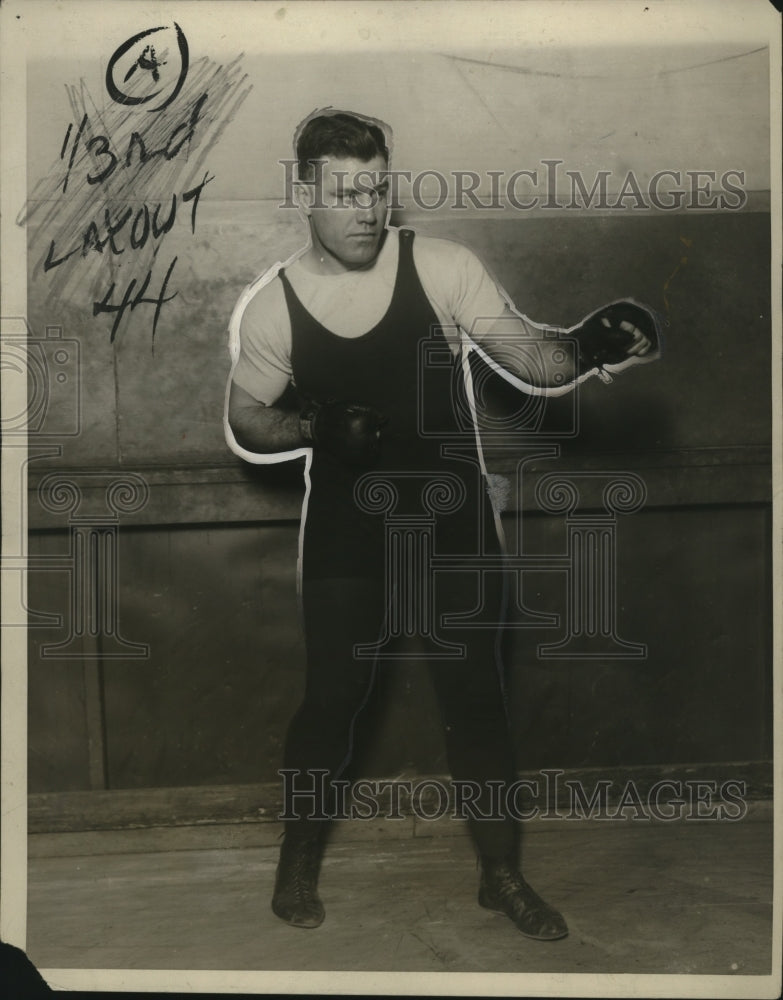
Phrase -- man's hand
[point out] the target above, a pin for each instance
(349, 431)
(617, 335)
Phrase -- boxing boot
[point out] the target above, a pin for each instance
(504, 890)
(295, 898)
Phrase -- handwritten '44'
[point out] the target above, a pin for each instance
(131, 300)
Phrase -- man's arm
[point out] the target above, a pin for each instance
(259, 428)
(349, 431)
(535, 358)
(550, 361)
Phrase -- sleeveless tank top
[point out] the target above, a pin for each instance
(383, 368)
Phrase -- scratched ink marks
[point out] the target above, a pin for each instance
(122, 226)
(124, 177)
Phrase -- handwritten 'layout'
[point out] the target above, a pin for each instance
(127, 171)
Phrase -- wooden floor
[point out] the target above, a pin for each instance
(684, 897)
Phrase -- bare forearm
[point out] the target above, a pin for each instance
(349, 431)
(266, 429)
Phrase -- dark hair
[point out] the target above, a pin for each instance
(339, 133)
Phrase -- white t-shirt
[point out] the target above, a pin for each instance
(349, 304)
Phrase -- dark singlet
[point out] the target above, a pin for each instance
(382, 368)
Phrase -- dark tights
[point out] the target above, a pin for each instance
(340, 613)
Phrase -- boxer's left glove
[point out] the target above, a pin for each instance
(620, 333)
(349, 431)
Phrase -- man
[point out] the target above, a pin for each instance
(343, 321)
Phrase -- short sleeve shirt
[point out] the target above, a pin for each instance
(457, 284)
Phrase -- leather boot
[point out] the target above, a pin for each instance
(295, 898)
(504, 890)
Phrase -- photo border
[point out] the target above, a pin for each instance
(682, 17)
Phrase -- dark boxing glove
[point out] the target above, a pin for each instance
(348, 431)
(602, 340)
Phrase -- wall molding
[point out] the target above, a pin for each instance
(209, 805)
(237, 492)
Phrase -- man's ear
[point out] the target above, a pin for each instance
(304, 196)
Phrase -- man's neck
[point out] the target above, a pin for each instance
(318, 260)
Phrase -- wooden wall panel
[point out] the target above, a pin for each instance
(218, 608)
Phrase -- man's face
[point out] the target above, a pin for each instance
(347, 211)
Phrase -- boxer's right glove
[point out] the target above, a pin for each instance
(348, 431)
